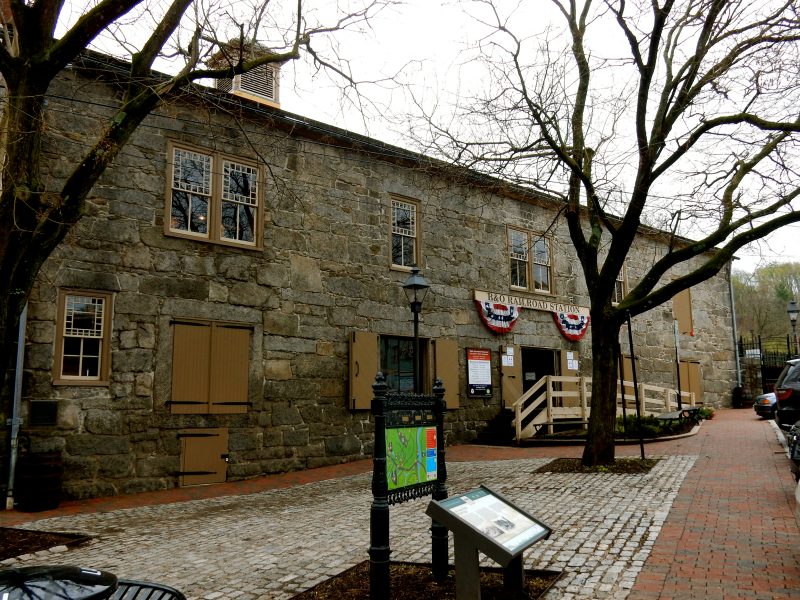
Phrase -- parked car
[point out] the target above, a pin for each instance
(765, 405)
(794, 449)
(787, 391)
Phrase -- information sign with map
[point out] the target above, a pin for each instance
(410, 456)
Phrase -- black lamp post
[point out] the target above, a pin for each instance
(416, 288)
(793, 310)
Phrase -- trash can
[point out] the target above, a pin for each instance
(38, 481)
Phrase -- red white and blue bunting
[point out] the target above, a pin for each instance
(572, 326)
(500, 318)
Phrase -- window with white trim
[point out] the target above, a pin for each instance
(529, 258)
(82, 340)
(213, 197)
(620, 286)
(405, 247)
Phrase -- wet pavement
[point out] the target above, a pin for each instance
(714, 519)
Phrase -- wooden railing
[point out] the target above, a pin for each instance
(568, 400)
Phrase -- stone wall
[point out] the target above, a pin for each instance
(324, 271)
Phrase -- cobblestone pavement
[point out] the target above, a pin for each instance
(276, 543)
(714, 520)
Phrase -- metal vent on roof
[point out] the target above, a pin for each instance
(259, 84)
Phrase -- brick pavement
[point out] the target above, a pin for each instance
(731, 532)
(727, 532)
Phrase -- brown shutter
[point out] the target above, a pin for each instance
(190, 368)
(447, 369)
(203, 453)
(682, 311)
(230, 365)
(364, 365)
(510, 375)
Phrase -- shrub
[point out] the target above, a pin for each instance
(705, 412)
(650, 427)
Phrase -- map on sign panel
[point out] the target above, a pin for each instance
(410, 456)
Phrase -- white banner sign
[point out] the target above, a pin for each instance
(532, 303)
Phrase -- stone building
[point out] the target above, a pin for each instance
(221, 310)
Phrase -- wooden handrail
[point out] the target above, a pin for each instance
(654, 400)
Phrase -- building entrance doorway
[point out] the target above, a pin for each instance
(537, 363)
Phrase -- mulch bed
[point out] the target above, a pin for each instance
(410, 581)
(621, 466)
(16, 542)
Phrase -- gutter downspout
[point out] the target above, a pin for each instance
(733, 322)
(15, 421)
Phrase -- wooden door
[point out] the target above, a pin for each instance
(691, 379)
(510, 374)
(570, 367)
(203, 456)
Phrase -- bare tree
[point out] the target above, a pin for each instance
(678, 114)
(761, 301)
(36, 212)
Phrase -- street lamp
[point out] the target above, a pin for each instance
(416, 288)
(793, 310)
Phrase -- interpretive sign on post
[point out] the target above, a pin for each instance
(483, 520)
(411, 448)
(408, 462)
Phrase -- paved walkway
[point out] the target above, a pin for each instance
(714, 519)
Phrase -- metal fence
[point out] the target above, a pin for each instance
(763, 360)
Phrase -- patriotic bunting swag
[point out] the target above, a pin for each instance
(500, 318)
(572, 327)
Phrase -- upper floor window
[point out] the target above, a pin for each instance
(82, 338)
(620, 286)
(213, 197)
(529, 256)
(405, 246)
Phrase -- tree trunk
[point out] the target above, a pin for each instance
(599, 449)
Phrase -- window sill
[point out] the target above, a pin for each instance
(207, 240)
(400, 268)
(533, 292)
(81, 382)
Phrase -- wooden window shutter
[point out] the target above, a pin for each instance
(364, 365)
(447, 369)
(230, 354)
(682, 311)
(190, 368)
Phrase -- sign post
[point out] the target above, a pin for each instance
(408, 463)
(483, 520)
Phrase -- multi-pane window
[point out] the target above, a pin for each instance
(404, 233)
(620, 287)
(529, 256)
(518, 252)
(82, 338)
(397, 362)
(213, 198)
